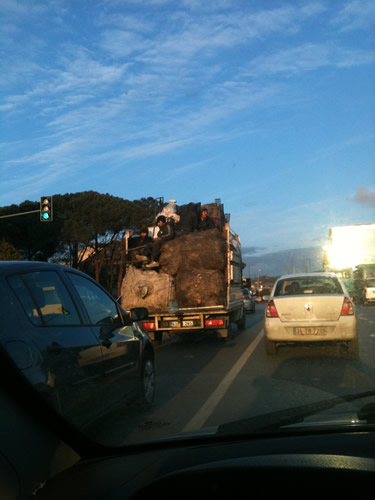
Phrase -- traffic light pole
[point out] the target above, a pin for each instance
(22, 213)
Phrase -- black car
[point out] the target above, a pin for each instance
(72, 341)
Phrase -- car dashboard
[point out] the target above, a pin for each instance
(338, 462)
(43, 458)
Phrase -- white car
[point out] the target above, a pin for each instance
(310, 307)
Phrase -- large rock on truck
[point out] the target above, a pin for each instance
(198, 284)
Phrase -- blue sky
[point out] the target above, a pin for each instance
(268, 105)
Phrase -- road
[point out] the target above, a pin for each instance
(203, 381)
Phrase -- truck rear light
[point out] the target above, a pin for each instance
(347, 308)
(149, 326)
(214, 322)
(271, 311)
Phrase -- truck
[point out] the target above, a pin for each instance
(198, 284)
(348, 248)
(364, 283)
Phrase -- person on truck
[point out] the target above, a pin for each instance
(140, 246)
(188, 222)
(205, 222)
(165, 233)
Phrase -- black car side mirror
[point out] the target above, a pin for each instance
(136, 314)
(139, 313)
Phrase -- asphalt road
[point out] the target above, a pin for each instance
(203, 381)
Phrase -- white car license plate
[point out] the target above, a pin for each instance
(184, 323)
(309, 330)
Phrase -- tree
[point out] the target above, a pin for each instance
(94, 221)
(8, 252)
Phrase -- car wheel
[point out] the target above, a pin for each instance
(147, 385)
(158, 337)
(241, 323)
(52, 396)
(353, 348)
(270, 347)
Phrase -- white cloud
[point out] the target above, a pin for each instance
(123, 43)
(308, 57)
(356, 15)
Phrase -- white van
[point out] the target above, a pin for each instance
(369, 290)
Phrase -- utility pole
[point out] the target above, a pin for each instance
(292, 262)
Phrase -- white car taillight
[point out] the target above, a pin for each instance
(271, 311)
(347, 308)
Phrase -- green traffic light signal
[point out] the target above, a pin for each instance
(46, 208)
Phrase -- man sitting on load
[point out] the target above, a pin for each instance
(139, 246)
(205, 222)
(165, 233)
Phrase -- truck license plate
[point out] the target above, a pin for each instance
(184, 323)
(309, 330)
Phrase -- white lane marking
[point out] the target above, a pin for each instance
(206, 410)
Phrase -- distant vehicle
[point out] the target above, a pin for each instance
(349, 247)
(310, 307)
(248, 301)
(364, 277)
(71, 340)
(369, 291)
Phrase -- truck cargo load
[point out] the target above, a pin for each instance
(198, 284)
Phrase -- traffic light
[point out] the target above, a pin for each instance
(46, 214)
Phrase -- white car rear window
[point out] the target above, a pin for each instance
(316, 285)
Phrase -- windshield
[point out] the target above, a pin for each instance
(181, 154)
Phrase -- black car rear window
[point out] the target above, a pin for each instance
(315, 285)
